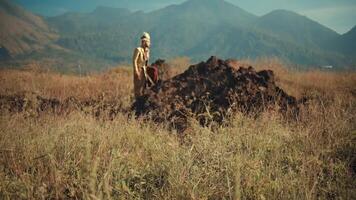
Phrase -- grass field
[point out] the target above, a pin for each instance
(77, 156)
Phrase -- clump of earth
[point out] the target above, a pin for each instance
(212, 91)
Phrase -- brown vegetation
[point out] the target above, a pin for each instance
(46, 156)
(211, 91)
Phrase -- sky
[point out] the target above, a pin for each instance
(339, 15)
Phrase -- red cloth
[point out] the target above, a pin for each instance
(152, 71)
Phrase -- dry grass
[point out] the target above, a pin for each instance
(302, 83)
(114, 84)
(78, 157)
(178, 65)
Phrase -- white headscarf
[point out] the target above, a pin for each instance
(145, 37)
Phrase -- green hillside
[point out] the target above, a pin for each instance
(346, 43)
(195, 28)
(199, 29)
(247, 43)
(21, 31)
(296, 28)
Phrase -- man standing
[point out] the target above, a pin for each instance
(140, 61)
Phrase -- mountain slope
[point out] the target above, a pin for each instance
(211, 12)
(20, 31)
(108, 33)
(198, 29)
(235, 42)
(295, 28)
(174, 29)
(178, 28)
(347, 42)
(195, 28)
(70, 23)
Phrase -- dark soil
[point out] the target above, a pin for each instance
(212, 91)
(37, 105)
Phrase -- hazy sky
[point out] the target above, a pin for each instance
(339, 15)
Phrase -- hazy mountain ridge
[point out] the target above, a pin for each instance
(198, 30)
(346, 42)
(295, 28)
(21, 31)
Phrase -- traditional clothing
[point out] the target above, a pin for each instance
(140, 60)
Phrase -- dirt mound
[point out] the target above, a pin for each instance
(210, 92)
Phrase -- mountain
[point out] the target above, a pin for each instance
(21, 31)
(212, 12)
(241, 43)
(108, 33)
(346, 43)
(197, 29)
(177, 29)
(58, 7)
(296, 28)
(174, 29)
(101, 17)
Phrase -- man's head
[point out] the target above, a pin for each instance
(145, 40)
